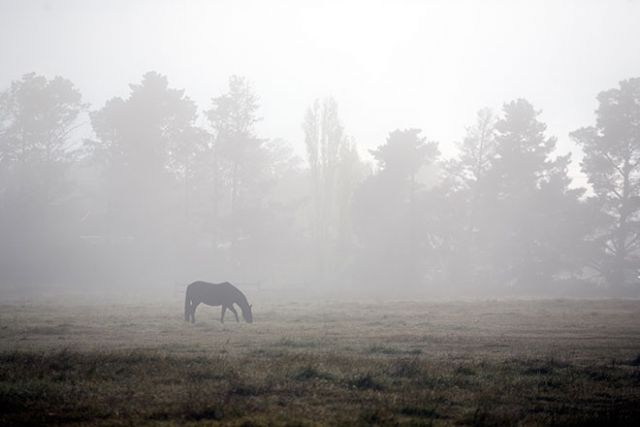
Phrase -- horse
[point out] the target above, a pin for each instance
(214, 294)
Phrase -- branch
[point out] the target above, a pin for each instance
(606, 155)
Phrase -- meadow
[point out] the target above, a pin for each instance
(322, 362)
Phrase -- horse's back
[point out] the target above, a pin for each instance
(199, 284)
(213, 293)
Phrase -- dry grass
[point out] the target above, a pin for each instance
(480, 363)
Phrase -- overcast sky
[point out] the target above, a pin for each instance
(393, 64)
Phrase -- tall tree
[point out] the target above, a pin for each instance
(477, 150)
(324, 136)
(388, 217)
(144, 142)
(144, 147)
(465, 187)
(335, 169)
(38, 117)
(612, 165)
(249, 235)
(351, 172)
(530, 202)
(237, 153)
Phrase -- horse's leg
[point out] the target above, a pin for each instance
(233, 310)
(194, 304)
(224, 308)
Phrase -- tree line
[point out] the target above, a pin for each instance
(150, 189)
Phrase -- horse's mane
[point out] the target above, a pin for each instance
(241, 296)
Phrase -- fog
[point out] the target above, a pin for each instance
(441, 149)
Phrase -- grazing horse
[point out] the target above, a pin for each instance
(224, 294)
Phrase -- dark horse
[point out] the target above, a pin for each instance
(224, 294)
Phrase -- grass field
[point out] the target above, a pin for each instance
(538, 362)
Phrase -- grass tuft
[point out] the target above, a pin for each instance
(309, 372)
(365, 382)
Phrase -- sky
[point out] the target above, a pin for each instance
(389, 64)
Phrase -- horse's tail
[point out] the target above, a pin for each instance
(187, 304)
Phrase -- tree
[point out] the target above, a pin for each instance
(612, 165)
(238, 155)
(464, 187)
(143, 142)
(324, 139)
(477, 151)
(335, 170)
(249, 220)
(529, 205)
(38, 117)
(389, 215)
(351, 172)
(144, 149)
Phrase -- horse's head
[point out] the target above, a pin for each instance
(248, 316)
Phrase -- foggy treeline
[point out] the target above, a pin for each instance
(151, 190)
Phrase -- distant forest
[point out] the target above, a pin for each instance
(163, 191)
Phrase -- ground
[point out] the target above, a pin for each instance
(322, 362)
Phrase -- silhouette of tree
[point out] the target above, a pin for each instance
(477, 151)
(143, 142)
(335, 170)
(612, 165)
(352, 171)
(529, 218)
(238, 155)
(38, 117)
(271, 247)
(324, 139)
(249, 219)
(464, 187)
(388, 217)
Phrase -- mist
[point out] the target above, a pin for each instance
(319, 213)
(436, 148)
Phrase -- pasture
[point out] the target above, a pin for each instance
(526, 362)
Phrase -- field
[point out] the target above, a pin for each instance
(525, 362)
